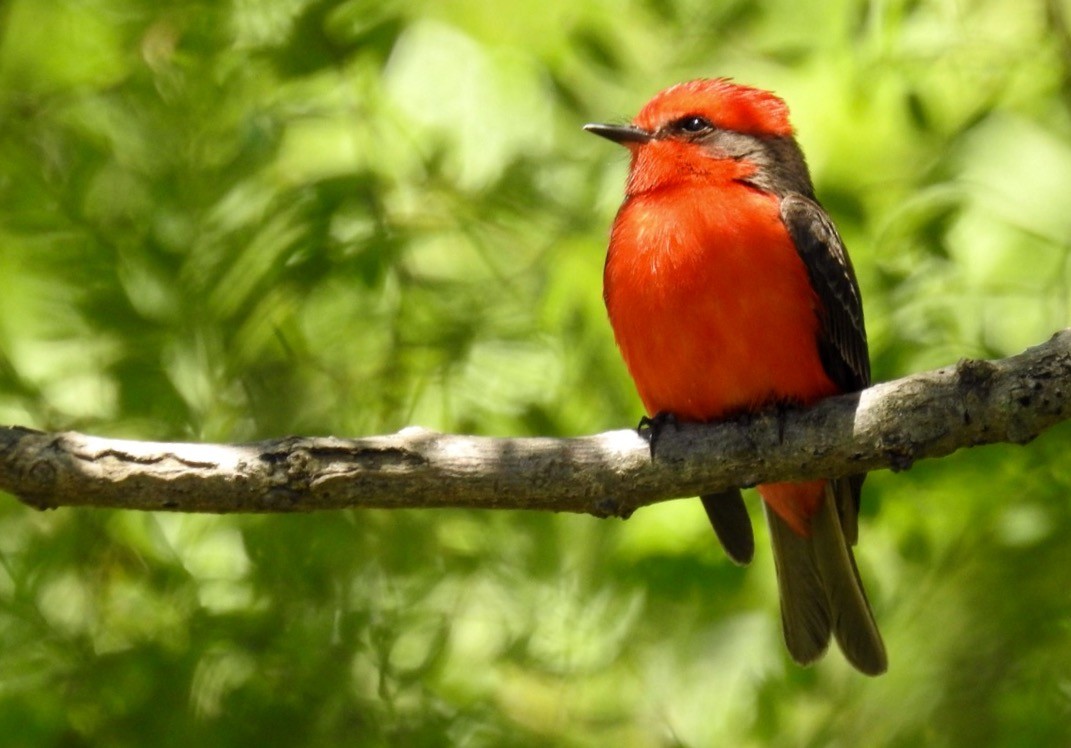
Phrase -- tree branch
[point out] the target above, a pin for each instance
(889, 425)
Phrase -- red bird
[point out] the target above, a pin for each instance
(729, 292)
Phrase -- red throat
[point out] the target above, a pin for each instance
(661, 164)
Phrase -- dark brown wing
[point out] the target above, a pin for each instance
(842, 338)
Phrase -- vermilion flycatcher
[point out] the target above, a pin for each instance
(730, 291)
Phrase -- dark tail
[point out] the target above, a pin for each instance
(821, 593)
(732, 524)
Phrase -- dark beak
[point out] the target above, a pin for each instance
(623, 134)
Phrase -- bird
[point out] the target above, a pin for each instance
(730, 292)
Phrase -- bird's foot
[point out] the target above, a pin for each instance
(781, 411)
(650, 428)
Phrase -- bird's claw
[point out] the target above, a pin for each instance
(650, 428)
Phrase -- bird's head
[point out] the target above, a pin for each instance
(711, 131)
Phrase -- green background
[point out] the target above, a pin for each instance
(239, 220)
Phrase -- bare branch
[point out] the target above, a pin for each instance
(889, 425)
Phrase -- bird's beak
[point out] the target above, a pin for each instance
(623, 134)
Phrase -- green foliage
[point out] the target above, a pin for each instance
(229, 221)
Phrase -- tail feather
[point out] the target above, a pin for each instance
(821, 593)
(853, 621)
(805, 616)
(732, 525)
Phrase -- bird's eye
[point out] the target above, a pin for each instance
(692, 124)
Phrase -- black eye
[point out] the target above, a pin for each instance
(692, 124)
